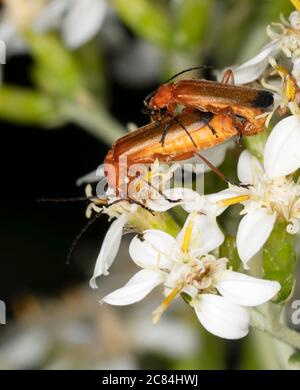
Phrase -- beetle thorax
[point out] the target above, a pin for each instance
(162, 98)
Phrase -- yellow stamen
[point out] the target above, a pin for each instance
(187, 237)
(148, 176)
(138, 187)
(281, 69)
(296, 4)
(157, 313)
(234, 200)
(290, 89)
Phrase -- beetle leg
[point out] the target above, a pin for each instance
(170, 124)
(186, 130)
(206, 120)
(134, 201)
(241, 128)
(165, 131)
(228, 77)
(161, 193)
(212, 167)
(219, 173)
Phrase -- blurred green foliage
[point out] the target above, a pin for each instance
(186, 32)
(28, 107)
(148, 19)
(56, 69)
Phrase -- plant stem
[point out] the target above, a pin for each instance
(281, 332)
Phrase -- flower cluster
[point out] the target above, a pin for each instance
(187, 262)
(184, 266)
(270, 192)
(277, 66)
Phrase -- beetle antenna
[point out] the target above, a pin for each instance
(80, 234)
(94, 218)
(150, 95)
(64, 200)
(188, 70)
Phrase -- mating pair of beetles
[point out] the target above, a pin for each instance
(211, 113)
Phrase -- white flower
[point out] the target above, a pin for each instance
(78, 20)
(123, 212)
(285, 90)
(149, 192)
(183, 265)
(288, 34)
(285, 39)
(272, 193)
(112, 240)
(252, 69)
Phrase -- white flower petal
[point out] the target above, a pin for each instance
(213, 204)
(248, 168)
(153, 250)
(252, 69)
(189, 197)
(296, 69)
(91, 177)
(140, 285)
(160, 205)
(193, 201)
(282, 150)
(51, 14)
(205, 235)
(82, 21)
(109, 248)
(254, 230)
(209, 204)
(294, 19)
(182, 196)
(246, 290)
(221, 317)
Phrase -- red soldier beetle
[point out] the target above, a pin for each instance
(211, 96)
(191, 133)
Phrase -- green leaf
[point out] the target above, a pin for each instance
(91, 60)
(192, 23)
(25, 106)
(279, 260)
(147, 19)
(56, 69)
(229, 250)
(295, 358)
